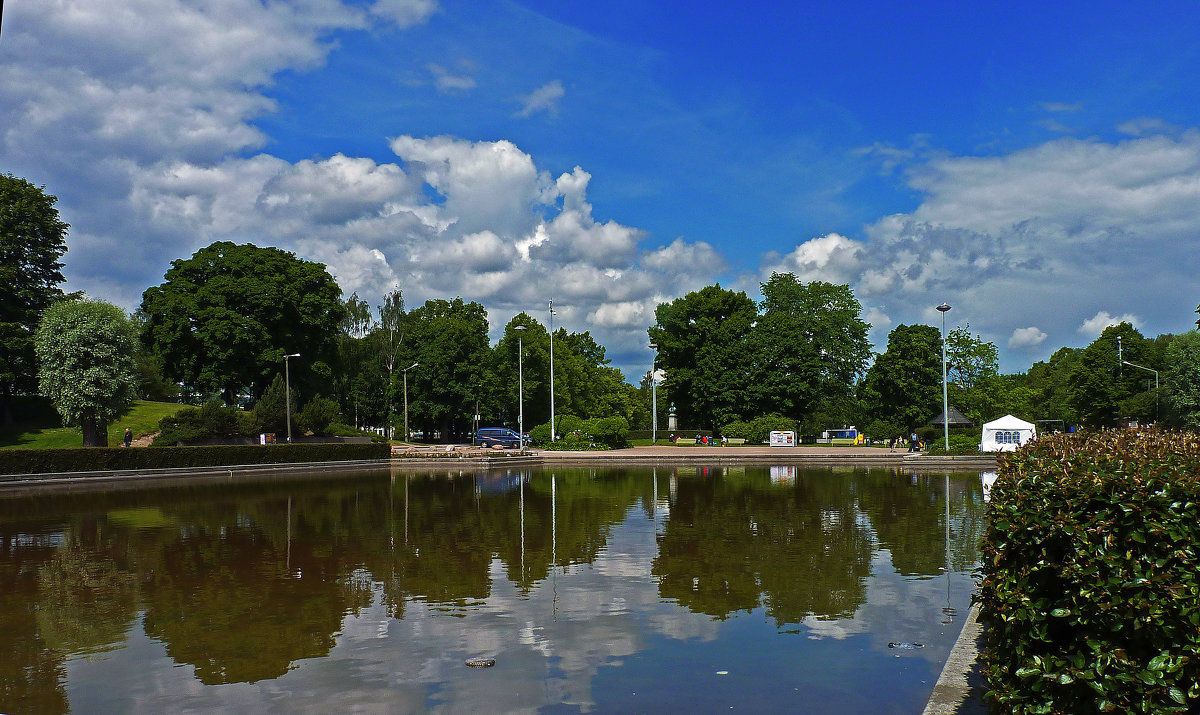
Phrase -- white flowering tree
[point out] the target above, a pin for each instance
(85, 351)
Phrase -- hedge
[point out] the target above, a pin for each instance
(87, 459)
(1091, 576)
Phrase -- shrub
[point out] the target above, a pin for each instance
(959, 444)
(576, 434)
(541, 434)
(758, 430)
(84, 459)
(317, 414)
(197, 424)
(1091, 575)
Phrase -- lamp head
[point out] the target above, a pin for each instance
(943, 307)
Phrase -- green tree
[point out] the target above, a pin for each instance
(702, 343)
(224, 318)
(86, 348)
(392, 323)
(903, 387)
(1181, 380)
(449, 340)
(1049, 382)
(32, 240)
(1098, 384)
(809, 346)
(972, 362)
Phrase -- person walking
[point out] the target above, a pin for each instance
(128, 436)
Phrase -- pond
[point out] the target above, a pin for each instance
(593, 590)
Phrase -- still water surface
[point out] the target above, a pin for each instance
(595, 590)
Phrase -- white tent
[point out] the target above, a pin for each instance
(1006, 434)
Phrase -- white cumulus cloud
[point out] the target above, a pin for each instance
(1025, 338)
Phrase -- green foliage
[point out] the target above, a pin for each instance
(576, 433)
(42, 461)
(969, 359)
(1091, 575)
(702, 346)
(884, 431)
(270, 412)
(210, 421)
(32, 242)
(807, 348)
(223, 319)
(960, 443)
(317, 414)
(1049, 383)
(1181, 380)
(44, 432)
(1098, 383)
(904, 385)
(758, 430)
(540, 435)
(86, 349)
(449, 341)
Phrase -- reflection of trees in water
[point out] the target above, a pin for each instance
(242, 582)
(734, 543)
(87, 601)
(31, 674)
(225, 600)
(908, 513)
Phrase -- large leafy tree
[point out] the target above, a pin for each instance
(1181, 380)
(1100, 387)
(903, 387)
(86, 351)
(972, 364)
(224, 318)
(1051, 392)
(808, 348)
(449, 340)
(32, 240)
(702, 343)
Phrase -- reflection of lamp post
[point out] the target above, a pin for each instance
(405, 372)
(287, 392)
(653, 397)
(521, 388)
(945, 401)
(552, 314)
(948, 611)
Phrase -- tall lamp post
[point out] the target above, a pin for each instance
(287, 392)
(405, 373)
(945, 397)
(552, 314)
(653, 397)
(521, 386)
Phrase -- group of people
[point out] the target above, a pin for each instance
(914, 443)
(702, 440)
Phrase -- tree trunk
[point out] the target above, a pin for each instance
(95, 434)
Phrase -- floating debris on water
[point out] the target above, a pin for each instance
(906, 646)
(481, 662)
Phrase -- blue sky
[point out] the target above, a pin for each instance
(1036, 165)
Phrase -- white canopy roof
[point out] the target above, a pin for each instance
(1008, 422)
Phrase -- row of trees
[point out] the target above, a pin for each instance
(223, 320)
(802, 355)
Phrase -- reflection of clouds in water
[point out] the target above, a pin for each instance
(902, 610)
(550, 642)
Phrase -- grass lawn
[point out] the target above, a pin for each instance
(142, 418)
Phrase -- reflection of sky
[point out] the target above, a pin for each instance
(590, 637)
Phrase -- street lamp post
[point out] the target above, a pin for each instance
(653, 397)
(552, 314)
(405, 373)
(945, 397)
(520, 386)
(287, 392)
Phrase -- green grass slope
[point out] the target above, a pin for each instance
(142, 418)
